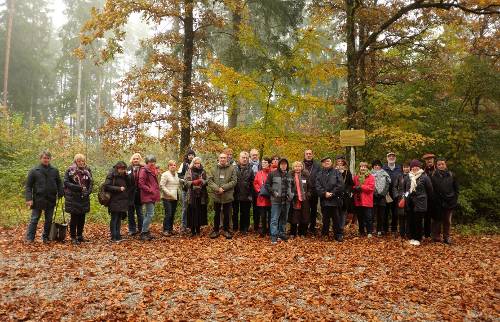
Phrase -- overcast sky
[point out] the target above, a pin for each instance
(57, 7)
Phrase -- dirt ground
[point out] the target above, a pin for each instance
(247, 278)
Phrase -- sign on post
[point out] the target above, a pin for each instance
(352, 137)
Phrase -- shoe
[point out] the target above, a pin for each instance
(414, 242)
(146, 236)
(447, 241)
(75, 241)
(283, 238)
(379, 233)
(82, 240)
(167, 233)
(274, 240)
(339, 238)
(369, 236)
(227, 234)
(214, 234)
(133, 233)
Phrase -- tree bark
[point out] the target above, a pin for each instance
(235, 57)
(187, 75)
(10, 6)
(78, 99)
(352, 64)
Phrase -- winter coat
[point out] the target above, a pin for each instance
(347, 193)
(200, 191)
(119, 201)
(279, 185)
(382, 185)
(43, 186)
(418, 200)
(330, 180)
(134, 192)
(148, 184)
(75, 200)
(258, 183)
(197, 198)
(398, 187)
(224, 177)
(169, 184)
(301, 214)
(364, 198)
(394, 174)
(243, 191)
(313, 170)
(445, 189)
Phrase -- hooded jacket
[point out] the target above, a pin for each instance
(119, 201)
(279, 184)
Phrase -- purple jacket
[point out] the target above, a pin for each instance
(148, 185)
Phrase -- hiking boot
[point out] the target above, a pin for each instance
(75, 241)
(447, 241)
(283, 238)
(133, 233)
(214, 234)
(339, 238)
(167, 233)
(146, 236)
(227, 234)
(81, 239)
(274, 240)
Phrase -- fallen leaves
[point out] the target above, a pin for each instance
(247, 278)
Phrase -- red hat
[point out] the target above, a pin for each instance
(428, 156)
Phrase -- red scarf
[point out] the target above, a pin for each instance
(298, 203)
(153, 169)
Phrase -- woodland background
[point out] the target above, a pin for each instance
(419, 76)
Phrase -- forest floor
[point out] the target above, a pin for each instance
(247, 278)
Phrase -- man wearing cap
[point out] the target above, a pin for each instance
(329, 186)
(430, 168)
(391, 210)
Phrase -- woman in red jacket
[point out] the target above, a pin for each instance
(364, 185)
(263, 201)
(150, 193)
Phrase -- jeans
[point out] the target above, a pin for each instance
(76, 225)
(337, 216)
(444, 223)
(279, 216)
(133, 210)
(243, 208)
(226, 213)
(184, 209)
(148, 218)
(35, 217)
(115, 225)
(365, 220)
(170, 207)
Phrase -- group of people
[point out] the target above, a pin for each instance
(413, 200)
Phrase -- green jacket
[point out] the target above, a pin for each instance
(222, 177)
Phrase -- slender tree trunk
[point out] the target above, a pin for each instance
(352, 64)
(187, 76)
(236, 57)
(10, 5)
(78, 99)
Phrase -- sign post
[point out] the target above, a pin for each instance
(352, 138)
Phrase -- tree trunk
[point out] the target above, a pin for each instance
(10, 5)
(235, 55)
(187, 76)
(352, 64)
(78, 99)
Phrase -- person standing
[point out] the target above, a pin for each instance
(430, 168)
(184, 167)
(77, 189)
(399, 187)
(329, 186)
(169, 185)
(313, 167)
(275, 159)
(391, 210)
(343, 168)
(196, 183)
(229, 153)
(118, 184)
(263, 201)
(43, 188)
(446, 192)
(279, 185)
(150, 193)
(221, 183)
(256, 166)
(135, 204)
(418, 188)
(382, 184)
(243, 192)
(301, 191)
(364, 186)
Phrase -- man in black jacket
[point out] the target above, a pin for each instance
(313, 168)
(329, 186)
(445, 188)
(391, 210)
(189, 156)
(43, 188)
(243, 194)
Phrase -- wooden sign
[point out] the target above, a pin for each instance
(352, 138)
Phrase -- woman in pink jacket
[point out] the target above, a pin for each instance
(150, 193)
(263, 202)
(364, 185)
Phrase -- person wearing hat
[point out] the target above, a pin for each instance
(150, 193)
(343, 168)
(382, 185)
(279, 185)
(391, 210)
(430, 168)
(418, 188)
(329, 186)
(118, 184)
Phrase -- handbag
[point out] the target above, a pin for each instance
(263, 191)
(58, 230)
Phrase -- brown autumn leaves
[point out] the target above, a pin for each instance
(247, 278)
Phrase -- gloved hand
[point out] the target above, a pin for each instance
(197, 182)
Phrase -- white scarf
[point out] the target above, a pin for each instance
(413, 178)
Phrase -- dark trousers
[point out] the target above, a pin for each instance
(391, 212)
(134, 210)
(265, 219)
(169, 206)
(76, 225)
(300, 229)
(313, 203)
(365, 220)
(115, 225)
(243, 208)
(428, 223)
(403, 222)
(443, 224)
(382, 218)
(255, 214)
(415, 224)
(35, 217)
(226, 213)
(332, 214)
